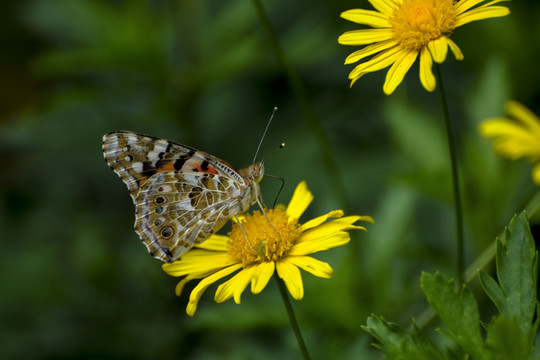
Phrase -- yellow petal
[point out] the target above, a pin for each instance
(198, 262)
(328, 235)
(320, 243)
(524, 115)
(180, 286)
(339, 224)
(366, 17)
(481, 14)
(426, 74)
(438, 49)
(501, 127)
(355, 79)
(378, 62)
(493, 2)
(369, 50)
(292, 278)
(319, 220)
(536, 174)
(234, 286)
(511, 139)
(300, 200)
(455, 50)
(203, 285)
(397, 72)
(312, 265)
(215, 243)
(262, 274)
(492, 127)
(384, 6)
(365, 36)
(464, 5)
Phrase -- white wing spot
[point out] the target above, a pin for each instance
(159, 147)
(138, 167)
(132, 139)
(165, 188)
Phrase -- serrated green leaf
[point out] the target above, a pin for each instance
(505, 341)
(397, 343)
(516, 270)
(492, 289)
(458, 311)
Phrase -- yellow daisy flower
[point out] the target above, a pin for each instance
(220, 256)
(405, 28)
(517, 138)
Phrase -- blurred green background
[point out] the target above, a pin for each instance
(75, 280)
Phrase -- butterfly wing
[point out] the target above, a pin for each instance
(136, 157)
(177, 210)
(181, 195)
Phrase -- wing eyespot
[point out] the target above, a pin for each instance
(158, 222)
(167, 232)
(159, 210)
(159, 200)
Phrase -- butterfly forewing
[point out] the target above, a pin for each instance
(181, 195)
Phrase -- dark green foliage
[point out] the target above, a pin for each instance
(509, 335)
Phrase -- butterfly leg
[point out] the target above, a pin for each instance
(244, 232)
(261, 205)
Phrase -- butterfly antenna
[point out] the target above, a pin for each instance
(281, 146)
(264, 134)
(280, 188)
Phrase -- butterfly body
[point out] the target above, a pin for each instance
(181, 195)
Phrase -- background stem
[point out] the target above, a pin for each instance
(455, 178)
(306, 107)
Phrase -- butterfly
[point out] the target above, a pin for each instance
(181, 195)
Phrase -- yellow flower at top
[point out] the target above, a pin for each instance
(402, 29)
(516, 138)
(261, 246)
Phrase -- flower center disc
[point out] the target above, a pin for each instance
(265, 244)
(417, 22)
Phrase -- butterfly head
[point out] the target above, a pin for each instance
(255, 172)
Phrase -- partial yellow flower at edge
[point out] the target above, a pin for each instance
(402, 29)
(515, 137)
(256, 261)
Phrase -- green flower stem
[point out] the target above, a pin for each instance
(488, 254)
(481, 261)
(302, 98)
(455, 177)
(292, 318)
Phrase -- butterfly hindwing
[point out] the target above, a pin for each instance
(176, 210)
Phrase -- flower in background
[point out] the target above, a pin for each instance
(402, 29)
(516, 138)
(265, 251)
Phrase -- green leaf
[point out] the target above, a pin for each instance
(492, 289)
(505, 341)
(517, 260)
(458, 311)
(397, 343)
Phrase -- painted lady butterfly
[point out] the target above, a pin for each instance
(182, 195)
